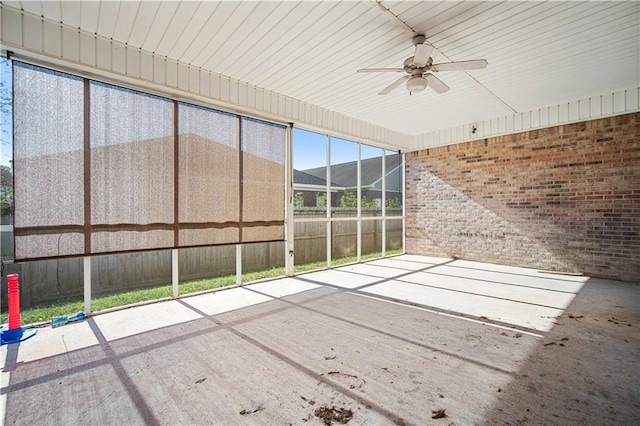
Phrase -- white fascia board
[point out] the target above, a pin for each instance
(320, 188)
(89, 55)
(602, 105)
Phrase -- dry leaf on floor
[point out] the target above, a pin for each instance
(328, 415)
(438, 414)
(245, 412)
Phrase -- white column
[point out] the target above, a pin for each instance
(175, 276)
(404, 194)
(239, 264)
(359, 206)
(329, 196)
(289, 225)
(87, 285)
(384, 202)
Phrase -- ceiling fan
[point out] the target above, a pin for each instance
(420, 66)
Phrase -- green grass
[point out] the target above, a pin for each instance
(205, 284)
(311, 266)
(44, 312)
(342, 261)
(278, 271)
(363, 258)
(394, 252)
(47, 311)
(130, 297)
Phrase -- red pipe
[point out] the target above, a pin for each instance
(13, 296)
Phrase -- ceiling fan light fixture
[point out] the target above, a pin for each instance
(419, 69)
(417, 83)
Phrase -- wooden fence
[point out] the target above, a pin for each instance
(51, 280)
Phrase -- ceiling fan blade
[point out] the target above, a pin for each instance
(436, 84)
(422, 55)
(393, 85)
(477, 64)
(381, 70)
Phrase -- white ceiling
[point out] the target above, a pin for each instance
(539, 53)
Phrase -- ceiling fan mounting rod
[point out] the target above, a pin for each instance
(384, 9)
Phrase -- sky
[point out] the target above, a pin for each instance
(6, 129)
(310, 150)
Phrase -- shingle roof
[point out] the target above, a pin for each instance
(345, 174)
(303, 178)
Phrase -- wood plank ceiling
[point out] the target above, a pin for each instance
(539, 53)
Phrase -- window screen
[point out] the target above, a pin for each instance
(209, 181)
(263, 148)
(132, 169)
(48, 163)
(103, 169)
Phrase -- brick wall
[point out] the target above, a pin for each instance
(564, 198)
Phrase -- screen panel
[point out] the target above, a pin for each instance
(394, 185)
(344, 178)
(48, 163)
(309, 174)
(103, 169)
(132, 181)
(209, 179)
(263, 152)
(121, 240)
(370, 180)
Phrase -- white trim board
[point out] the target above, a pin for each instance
(43, 41)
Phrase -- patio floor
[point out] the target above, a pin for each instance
(392, 340)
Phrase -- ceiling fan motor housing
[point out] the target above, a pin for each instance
(411, 68)
(419, 39)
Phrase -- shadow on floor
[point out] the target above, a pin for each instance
(277, 361)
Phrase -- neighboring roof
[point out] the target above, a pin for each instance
(303, 178)
(346, 174)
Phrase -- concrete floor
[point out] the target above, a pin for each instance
(392, 340)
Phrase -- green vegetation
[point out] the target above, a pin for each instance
(205, 284)
(349, 199)
(45, 312)
(6, 190)
(343, 261)
(321, 199)
(298, 200)
(353, 259)
(312, 266)
(368, 204)
(393, 203)
(274, 272)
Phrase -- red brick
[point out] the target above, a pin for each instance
(564, 198)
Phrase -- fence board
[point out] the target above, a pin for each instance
(47, 281)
